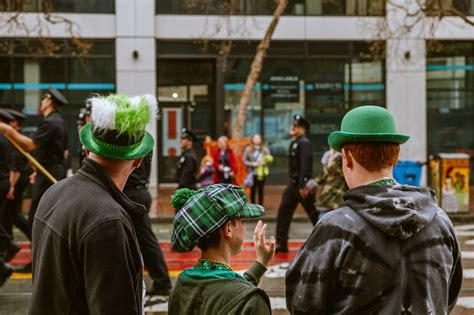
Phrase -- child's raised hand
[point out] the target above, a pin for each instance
(265, 249)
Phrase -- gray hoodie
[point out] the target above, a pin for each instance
(390, 250)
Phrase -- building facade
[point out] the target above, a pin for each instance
(321, 64)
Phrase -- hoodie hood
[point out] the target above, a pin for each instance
(399, 211)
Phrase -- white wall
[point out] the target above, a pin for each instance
(135, 76)
(85, 25)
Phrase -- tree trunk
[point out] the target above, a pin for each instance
(255, 70)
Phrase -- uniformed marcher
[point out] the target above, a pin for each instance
(49, 144)
(20, 171)
(188, 163)
(136, 189)
(301, 171)
(83, 118)
(86, 257)
(5, 240)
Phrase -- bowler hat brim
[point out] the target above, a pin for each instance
(338, 138)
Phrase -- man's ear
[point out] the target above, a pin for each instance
(87, 152)
(227, 229)
(347, 159)
(137, 162)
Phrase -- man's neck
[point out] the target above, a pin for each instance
(365, 177)
(298, 135)
(49, 111)
(116, 173)
(217, 254)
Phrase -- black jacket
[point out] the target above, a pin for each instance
(51, 138)
(301, 161)
(86, 259)
(187, 170)
(390, 250)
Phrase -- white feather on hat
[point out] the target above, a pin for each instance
(103, 113)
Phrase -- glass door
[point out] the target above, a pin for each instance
(186, 98)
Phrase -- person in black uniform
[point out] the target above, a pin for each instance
(301, 171)
(83, 118)
(188, 163)
(5, 240)
(20, 171)
(49, 144)
(136, 189)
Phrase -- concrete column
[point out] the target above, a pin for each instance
(406, 86)
(135, 56)
(31, 73)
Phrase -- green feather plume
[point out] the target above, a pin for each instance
(181, 196)
(130, 118)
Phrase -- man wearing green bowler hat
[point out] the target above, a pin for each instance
(390, 249)
(86, 257)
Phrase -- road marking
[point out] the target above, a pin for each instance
(277, 303)
(467, 254)
(464, 227)
(464, 233)
(468, 273)
(465, 301)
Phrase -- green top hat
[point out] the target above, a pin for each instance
(117, 130)
(366, 124)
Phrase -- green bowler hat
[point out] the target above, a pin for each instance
(117, 130)
(366, 124)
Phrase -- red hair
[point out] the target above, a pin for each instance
(374, 156)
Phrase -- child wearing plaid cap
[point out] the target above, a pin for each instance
(213, 219)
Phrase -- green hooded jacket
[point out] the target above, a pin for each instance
(219, 292)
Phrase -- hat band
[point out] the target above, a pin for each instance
(115, 138)
(117, 148)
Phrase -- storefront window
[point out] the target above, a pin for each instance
(266, 7)
(66, 6)
(450, 98)
(321, 87)
(321, 80)
(28, 74)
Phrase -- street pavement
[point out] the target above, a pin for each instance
(16, 293)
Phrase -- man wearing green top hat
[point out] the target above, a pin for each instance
(390, 249)
(213, 219)
(86, 258)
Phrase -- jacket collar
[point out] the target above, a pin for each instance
(99, 175)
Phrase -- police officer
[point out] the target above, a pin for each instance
(136, 189)
(20, 171)
(5, 240)
(49, 144)
(83, 118)
(301, 171)
(188, 162)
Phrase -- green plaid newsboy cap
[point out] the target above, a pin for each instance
(206, 211)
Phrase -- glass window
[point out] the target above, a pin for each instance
(5, 81)
(66, 6)
(266, 7)
(327, 99)
(321, 80)
(450, 98)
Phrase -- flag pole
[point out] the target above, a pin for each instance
(33, 161)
